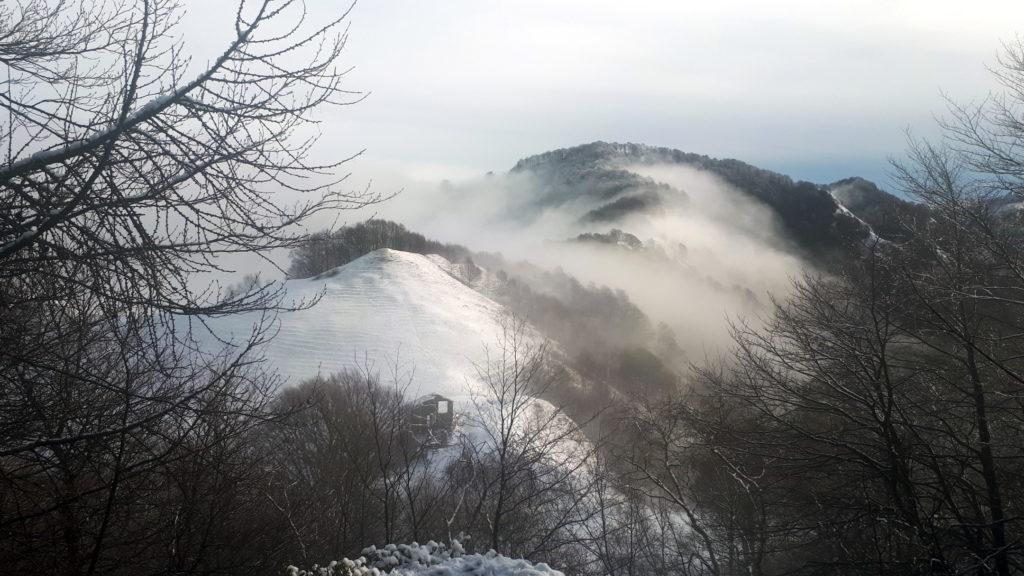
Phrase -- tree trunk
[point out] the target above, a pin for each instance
(995, 501)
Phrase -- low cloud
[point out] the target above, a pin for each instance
(711, 254)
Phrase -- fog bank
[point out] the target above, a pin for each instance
(710, 252)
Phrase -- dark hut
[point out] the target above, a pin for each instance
(433, 417)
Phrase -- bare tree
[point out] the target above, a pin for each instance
(870, 422)
(530, 485)
(147, 177)
(129, 170)
(323, 481)
(971, 300)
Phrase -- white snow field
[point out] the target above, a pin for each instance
(385, 307)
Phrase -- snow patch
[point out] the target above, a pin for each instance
(872, 238)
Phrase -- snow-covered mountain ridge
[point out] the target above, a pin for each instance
(387, 307)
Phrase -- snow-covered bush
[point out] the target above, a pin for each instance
(430, 559)
(398, 555)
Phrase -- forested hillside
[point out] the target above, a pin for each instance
(808, 212)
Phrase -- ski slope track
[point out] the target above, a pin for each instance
(385, 307)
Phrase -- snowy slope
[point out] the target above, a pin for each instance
(385, 306)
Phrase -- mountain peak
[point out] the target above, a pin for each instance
(599, 152)
(813, 216)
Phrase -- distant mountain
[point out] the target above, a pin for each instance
(814, 217)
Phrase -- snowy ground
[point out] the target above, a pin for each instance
(429, 559)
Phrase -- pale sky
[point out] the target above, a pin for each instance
(819, 90)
